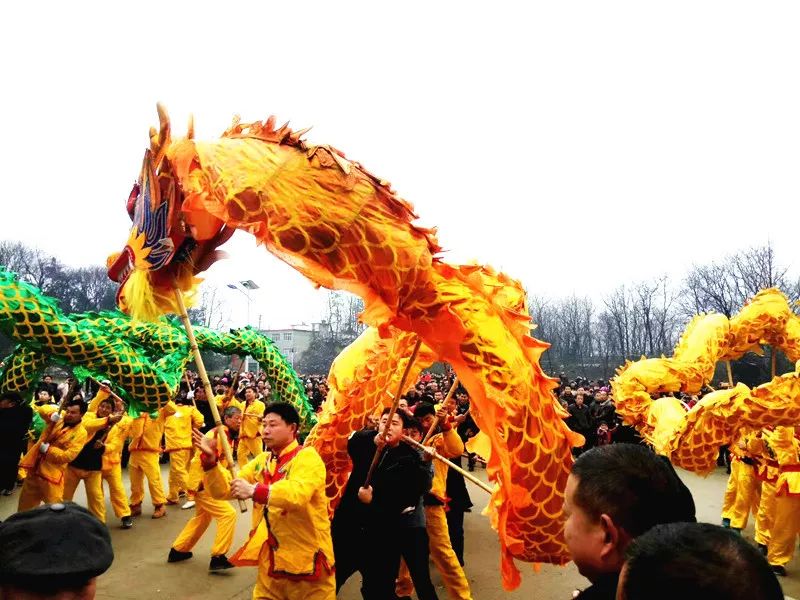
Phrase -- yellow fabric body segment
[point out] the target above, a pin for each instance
(178, 473)
(443, 556)
(145, 464)
(206, 509)
(93, 482)
(783, 538)
(766, 513)
(116, 491)
(248, 449)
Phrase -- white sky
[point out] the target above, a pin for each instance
(575, 145)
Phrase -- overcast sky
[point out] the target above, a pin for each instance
(575, 145)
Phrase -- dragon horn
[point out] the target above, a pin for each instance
(190, 128)
(160, 143)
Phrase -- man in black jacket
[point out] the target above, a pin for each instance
(15, 417)
(367, 524)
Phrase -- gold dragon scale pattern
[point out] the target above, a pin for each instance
(344, 228)
(691, 439)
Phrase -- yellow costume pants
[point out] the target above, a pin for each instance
(730, 490)
(36, 490)
(178, 472)
(206, 509)
(93, 481)
(785, 528)
(748, 489)
(116, 491)
(145, 464)
(443, 555)
(766, 513)
(249, 448)
(270, 588)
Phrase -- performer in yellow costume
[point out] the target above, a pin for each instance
(447, 443)
(112, 457)
(146, 432)
(786, 526)
(46, 461)
(207, 507)
(250, 443)
(744, 488)
(178, 443)
(87, 466)
(295, 561)
(768, 470)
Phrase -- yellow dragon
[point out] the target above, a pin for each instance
(343, 228)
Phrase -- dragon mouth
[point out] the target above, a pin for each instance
(121, 270)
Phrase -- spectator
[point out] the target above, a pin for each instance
(54, 551)
(15, 417)
(614, 494)
(695, 560)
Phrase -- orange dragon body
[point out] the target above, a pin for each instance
(691, 439)
(344, 228)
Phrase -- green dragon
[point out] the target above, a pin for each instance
(144, 359)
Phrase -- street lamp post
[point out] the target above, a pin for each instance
(241, 286)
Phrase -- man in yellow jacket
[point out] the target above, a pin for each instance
(112, 457)
(178, 444)
(250, 443)
(145, 444)
(446, 442)
(786, 526)
(207, 507)
(46, 461)
(744, 487)
(296, 561)
(87, 466)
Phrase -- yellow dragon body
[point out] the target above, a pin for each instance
(344, 228)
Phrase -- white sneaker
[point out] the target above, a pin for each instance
(188, 505)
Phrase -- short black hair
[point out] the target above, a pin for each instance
(424, 409)
(696, 560)
(416, 425)
(76, 402)
(403, 416)
(634, 486)
(285, 411)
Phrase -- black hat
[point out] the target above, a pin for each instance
(63, 544)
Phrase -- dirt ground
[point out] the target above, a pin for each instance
(140, 569)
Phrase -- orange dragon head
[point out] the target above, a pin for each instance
(161, 253)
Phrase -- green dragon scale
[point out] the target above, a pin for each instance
(144, 360)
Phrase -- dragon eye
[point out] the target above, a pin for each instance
(131, 203)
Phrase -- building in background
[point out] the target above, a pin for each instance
(292, 342)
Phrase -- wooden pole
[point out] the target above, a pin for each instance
(201, 371)
(730, 373)
(774, 359)
(435, 423)
(393, 410)
(450, 464)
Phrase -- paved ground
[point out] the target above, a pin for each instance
(140, 569)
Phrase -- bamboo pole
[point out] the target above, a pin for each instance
(450, 464)
(201, 371)
(435, 423)
(730, 372)
(774, 360)
(393, 410)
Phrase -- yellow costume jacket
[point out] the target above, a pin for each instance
(65, 444)
(146, 431)
(178, 427)
(785, 446)
(251, 420)
(294, 539)
(448, 444)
